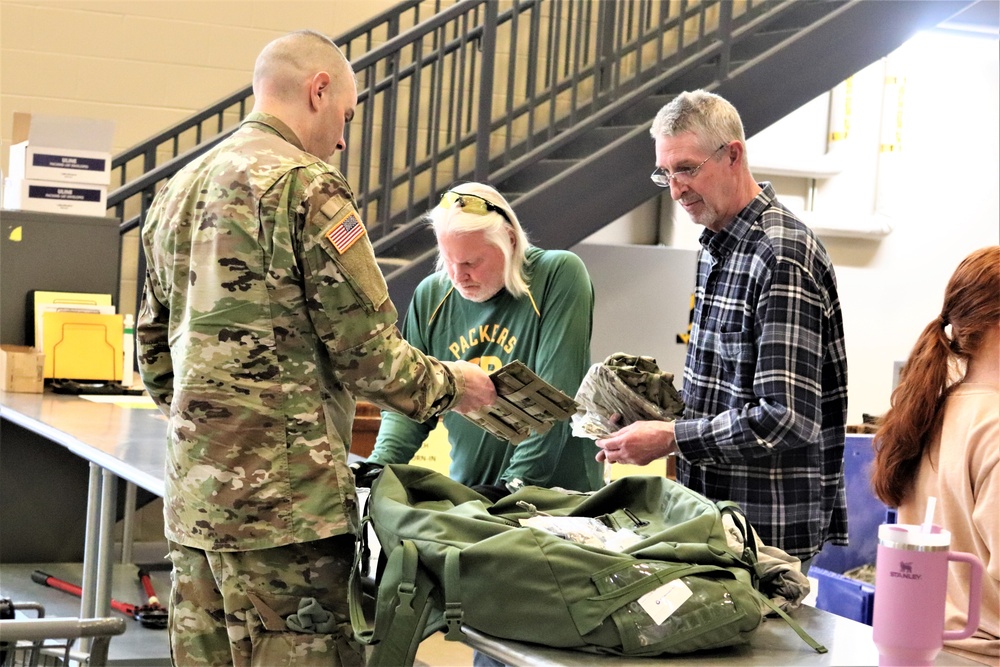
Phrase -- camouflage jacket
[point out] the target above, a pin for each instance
(264, 313)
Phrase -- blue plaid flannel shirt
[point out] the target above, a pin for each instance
(765, 380)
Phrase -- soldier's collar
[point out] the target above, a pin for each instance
(274, 124)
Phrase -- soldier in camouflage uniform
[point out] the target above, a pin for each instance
(264, 313)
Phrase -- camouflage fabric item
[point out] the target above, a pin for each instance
(264, 314)
(644, 377)
(231, 608)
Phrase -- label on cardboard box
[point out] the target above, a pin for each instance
(54, 197)
(68, 162)
(62, 193)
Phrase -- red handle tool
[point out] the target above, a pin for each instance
(149, 617)
(147, 585)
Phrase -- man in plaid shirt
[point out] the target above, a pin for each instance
(765, 379)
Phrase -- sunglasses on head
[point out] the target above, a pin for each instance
(472, 204)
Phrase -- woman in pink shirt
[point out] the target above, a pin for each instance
(941, 438)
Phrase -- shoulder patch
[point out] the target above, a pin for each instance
(347, 229)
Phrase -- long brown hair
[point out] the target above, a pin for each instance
(971, 306)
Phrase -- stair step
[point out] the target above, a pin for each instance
(536, 174)
(756, 44)
(699, 77)
(641, 112)
(804, 14)
(590, 143)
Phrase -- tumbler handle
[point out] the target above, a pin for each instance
(975, 590)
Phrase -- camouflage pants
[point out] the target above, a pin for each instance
(229, 608)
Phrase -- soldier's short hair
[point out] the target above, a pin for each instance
(288, 60)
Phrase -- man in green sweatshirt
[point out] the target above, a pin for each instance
(495, 298)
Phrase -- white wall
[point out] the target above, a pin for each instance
(940, 191)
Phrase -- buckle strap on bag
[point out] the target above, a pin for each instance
(408, 580)
(816, 646)
(452, 596)
(363, 632)
(400, 628)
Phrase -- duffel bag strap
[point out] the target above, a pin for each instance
(452, 596)
(816, 646)
(355, 591)
(402, 613)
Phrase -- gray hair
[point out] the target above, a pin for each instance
(494, 227)
(709, 117)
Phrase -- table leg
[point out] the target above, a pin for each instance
(91, 542)
(105, 545)
(128, 523)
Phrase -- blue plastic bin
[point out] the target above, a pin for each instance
(845, 597)
(865, 513)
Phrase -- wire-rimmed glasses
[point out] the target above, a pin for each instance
(664, 178)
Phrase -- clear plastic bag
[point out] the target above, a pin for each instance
(584, 530)
(617, 392)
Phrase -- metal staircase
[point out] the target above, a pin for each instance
(550, 101)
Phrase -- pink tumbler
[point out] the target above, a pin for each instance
(911, 580)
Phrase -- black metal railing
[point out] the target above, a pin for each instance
(477, 89)
(439, 101)
(139, 171)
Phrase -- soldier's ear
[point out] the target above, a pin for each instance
(319, 86)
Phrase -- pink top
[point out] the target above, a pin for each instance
(961, 470)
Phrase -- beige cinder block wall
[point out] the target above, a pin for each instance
(145, 64)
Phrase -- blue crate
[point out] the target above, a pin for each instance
(843, 596)
(865, 512)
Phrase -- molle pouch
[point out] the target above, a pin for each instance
(677, 607)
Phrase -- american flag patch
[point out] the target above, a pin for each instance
(348, 230)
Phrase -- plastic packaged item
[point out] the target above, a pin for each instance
(622, 390)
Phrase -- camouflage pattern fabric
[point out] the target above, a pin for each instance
(230, 608)
(644, 377)
(264, 313)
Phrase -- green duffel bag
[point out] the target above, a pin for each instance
(642, 567)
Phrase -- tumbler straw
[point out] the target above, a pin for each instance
(928, 526)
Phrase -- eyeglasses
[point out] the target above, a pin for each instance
(664, 178)
(472, 204)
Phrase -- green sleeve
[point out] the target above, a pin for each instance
(398, 438)
(566, 303)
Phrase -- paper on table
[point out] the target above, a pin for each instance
(143, 401)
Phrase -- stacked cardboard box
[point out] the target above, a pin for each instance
(59, 165)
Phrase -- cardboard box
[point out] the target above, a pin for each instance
(21, 369)
(57, 148)
(55, 197)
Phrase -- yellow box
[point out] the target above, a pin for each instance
(21, 369)
(83, 346)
